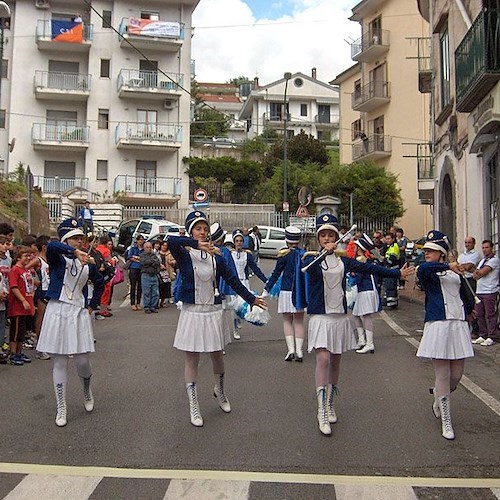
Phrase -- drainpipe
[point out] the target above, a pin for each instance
(462, 10)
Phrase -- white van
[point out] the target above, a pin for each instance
(273, 240)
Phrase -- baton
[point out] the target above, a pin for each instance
(477, 300)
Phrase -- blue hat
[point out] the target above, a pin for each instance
(238, 232)
(436, 240)
(216, 231)
(193, 218)
(292, 234)
(327, 221)
(365, 243)
(69, 228)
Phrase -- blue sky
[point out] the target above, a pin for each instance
(269, 9)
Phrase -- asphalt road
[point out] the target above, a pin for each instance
(141, 418)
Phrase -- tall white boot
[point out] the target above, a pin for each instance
(361, 337)
(298, 348)
(61, 415)
(369, 347)
(290, 344)
(323, 423)
(331, 391)
(194, 407)
(220, 394)
(88, 398)
(446, 427)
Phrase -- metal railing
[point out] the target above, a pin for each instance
(62, 81)
(159, 132)
(148, 185)
(327, 119)
(425, 162)
(478, 55)
(60, 132)
(376, 143)
(375, 89)
(149, 79)
(54, 205)
(159, 33)
(44, 30)
(59, 184)
(370, 38)
(275, 117)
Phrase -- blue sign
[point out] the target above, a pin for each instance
(200, 204)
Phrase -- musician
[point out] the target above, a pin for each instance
(330, 332)
(200, 327)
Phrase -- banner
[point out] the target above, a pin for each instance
(147, 27)
(67, 31)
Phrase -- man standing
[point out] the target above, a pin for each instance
(486, 276)
(85, 216)
(469, 259)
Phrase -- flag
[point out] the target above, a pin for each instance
(67, 31)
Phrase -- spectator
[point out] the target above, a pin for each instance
(167, 273)
(469, 259)
(77, 19)
(150, 268)
(134, 273)
(486, 275)
(248, 243)
(378, 241)
(391, 261)
(106, 268)
(43, 277)
(342, 245)
(257, 239)
(5, 265)
(402, 241)
(8, 231)
(85, 217)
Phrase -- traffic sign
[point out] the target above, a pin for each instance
(200, 204)
(200, 195)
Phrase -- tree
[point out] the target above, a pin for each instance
(209, 122)
(239, 80)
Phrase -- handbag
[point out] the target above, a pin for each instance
(164, 276)
(118, 277)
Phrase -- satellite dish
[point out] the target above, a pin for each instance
(12, 143)
(304, 196)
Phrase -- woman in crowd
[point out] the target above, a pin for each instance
(134, 272)
(167, 273)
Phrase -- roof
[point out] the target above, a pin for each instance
(351, 71)
(364, 8)
(220, 98)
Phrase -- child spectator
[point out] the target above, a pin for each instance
(44, 279)
(5, 265)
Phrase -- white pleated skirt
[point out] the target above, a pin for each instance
(447, 339)
(201, 328)
(367, 302)
(66, 329)
(285, 304)
(333, 332)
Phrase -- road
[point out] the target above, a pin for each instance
(139, 443)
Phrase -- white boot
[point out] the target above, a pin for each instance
(435, 406)
(361, 337)
(298, 347)
(220, 394)
(323, 423)
(331, 391)
(369, 347)
(291, 348)
(61, 416)
(446, 427)
(194, 407)
(88, 398)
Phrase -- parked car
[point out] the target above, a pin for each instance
(273, 240)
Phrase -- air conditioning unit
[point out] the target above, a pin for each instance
(169, 104)
(42, 4)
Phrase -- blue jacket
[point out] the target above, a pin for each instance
(134, 251)
(82, 212)
(224, 288)
(251, 264)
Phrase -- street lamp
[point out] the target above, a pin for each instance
(286, 208)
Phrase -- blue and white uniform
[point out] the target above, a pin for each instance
(446, 331)
(243, 262)
(67, 324)
(368, 298)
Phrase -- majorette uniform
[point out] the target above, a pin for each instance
(243, 262)
(368, 298)
(446, 331)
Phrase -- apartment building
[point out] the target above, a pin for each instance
(312, 106)
(383, 116)
(465, 126)
(94, 98)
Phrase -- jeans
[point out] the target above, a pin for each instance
(3, 318)
(487, 315)
(150, 291)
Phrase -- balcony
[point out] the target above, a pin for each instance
(62, 86)
(136, 188)
(374, 147)
(425, 171)
(58, 185)
(372, 44)
(274, 120)
(63, 136)
(371, 96)
(477, 61)
(148, 136)
(45, 29)
(327, 121)
(138, 84)
(167, 36)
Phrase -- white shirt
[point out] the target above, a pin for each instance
(489, 283)
(469, 257)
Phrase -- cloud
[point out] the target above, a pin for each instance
(230, 41)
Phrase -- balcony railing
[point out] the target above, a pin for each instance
(159, 35)
(59, 184)
(163, 133)
(62, 81)
(332, 120)
(372, 44)
(139, 79)
(170, 186)
(477, 60)
(62, 132)
(372, 95)
(274, 117)
(425, 162)
(374, 146)
(44, 31)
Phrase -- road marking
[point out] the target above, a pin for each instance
(196, 490)
(481, 394)
(265, 477)
(496, 492)
(348, 492)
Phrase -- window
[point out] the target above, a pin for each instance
(324, 135)
(102, 170)
(375, 31)
(357, 89)
(298, 82)
(444, 66)
(103, 119)
(323, 113)
(5, 68)
(276, 111)
(144, 227)
(106, 19)
(2, 118)
(105, 68)
(356, 129)
(303, 110)
(276, 235)
(493, 195)
(153, 16)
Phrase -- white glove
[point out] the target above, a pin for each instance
(264, 294)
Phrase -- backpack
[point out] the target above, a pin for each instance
(105, 268)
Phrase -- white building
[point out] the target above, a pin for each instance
(313, 107)
(96, 113)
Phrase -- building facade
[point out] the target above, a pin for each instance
(94, 100)
(465, 127)
(383, 116)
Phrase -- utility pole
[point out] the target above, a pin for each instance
(286, 207)
(29, 191)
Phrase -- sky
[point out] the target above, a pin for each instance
(266, 38)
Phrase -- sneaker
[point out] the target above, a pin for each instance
(15, 360)
(236, 335)
(42, 355)
(479, 340)
(99, 316)
(154, 310)
(147, 311)
(5, 347)
(171, 300)
(3, 358)
(487, 342)
(24, 358)
(106, 314)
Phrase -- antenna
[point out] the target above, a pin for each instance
(12, 143)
